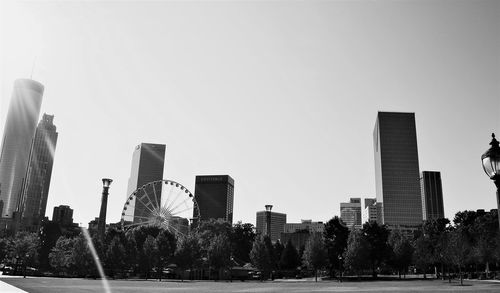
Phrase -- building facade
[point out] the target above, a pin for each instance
(350, 213)
(147, 165)
(432, 195)
(19, 130)
(278, 221)
(63, 215)
(397, 170)
(214, 196)
(308, 225)
(35, 191)
(370, 212)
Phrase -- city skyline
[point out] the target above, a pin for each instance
(281, 95)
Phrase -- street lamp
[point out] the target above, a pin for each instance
(101, 225)
(269, 207)
(340, 268)
(491, 165)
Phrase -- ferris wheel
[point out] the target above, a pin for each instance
(163, 203)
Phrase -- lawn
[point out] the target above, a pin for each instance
(56, 285)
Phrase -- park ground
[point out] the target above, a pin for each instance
(60, 285)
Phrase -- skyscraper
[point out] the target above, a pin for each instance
(350, 213)
(396, 169)
(214, 195)
(432, 195)
(63, 215)
(278, 221)
(147, 166)
(20, 125)
(35, 190)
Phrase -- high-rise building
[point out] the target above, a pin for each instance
(20, 125)
(63, 215)
(396, 169)
(214, 195)
(350, 213)
(147, 166)
(35, 190)
(277, 223)
(432, 195)
(308, 225)
(370, 212)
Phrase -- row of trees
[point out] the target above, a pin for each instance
(471, 243)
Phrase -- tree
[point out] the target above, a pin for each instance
(335, 235)
(315, 254)
(211, 228)
(167, 244)
(458, 249)
(289, 257)
(82, 258)
(188, 253)
(242, 240)
(402, 251)
(278, 250)
(150, 254)
(219, 253)
(259, 255)
(115, 256)
(49, 234)
(378, 250)
(60, 255)
(356, 255)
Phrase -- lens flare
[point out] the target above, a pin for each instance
(98, 264)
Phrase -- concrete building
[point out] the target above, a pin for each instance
(63, 215)
(432, 195)
(278, 221)
(35, 191)
(19, 130)
(350, 213)
(370, 212)
(308, 225)
(214, 195)
(396, 169)
(147, 165)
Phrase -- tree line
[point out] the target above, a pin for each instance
(471, 244)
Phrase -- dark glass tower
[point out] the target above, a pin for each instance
(396, 169)
(36, 186)
(24, 109)
(214, 195)
(432, 195)
(147, 166)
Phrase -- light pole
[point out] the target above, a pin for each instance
(268, 219)
(491, 165)
(340, 268)
(101, 225)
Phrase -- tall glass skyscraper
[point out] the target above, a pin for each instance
(20, 125)
(214, 195)
(397, 175)
(147, 166)
(432, 195)
(35, 191)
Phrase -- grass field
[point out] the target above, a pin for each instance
(56, 285)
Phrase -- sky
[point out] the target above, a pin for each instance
(280, 95)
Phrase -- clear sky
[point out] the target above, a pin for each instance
(281, 95)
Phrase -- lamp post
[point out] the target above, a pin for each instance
(340, 268)
(491, 165)
(268, 219)
(101, 225)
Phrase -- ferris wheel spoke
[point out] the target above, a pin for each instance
(181, 211)
(174, 201)
(171, 189)
(156, 196)
(145, 205)
(178, 205)
(139, 224)
(176, 230)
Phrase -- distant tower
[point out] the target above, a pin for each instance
(20, 125)
(396, 169)
(350, 213)
(36, 186)
(214, 195)
(63, 215)
(101, 224)
(432, 195)
(147, 166)
(273, 227)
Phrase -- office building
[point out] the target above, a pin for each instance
(307, 225)
(371, 211)
(432, 195)
(396, 169)
(214, 195)
(19, 130)
(63, 215)
(35, 190)
(147, 166)
(276, 222)
(350, 213)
